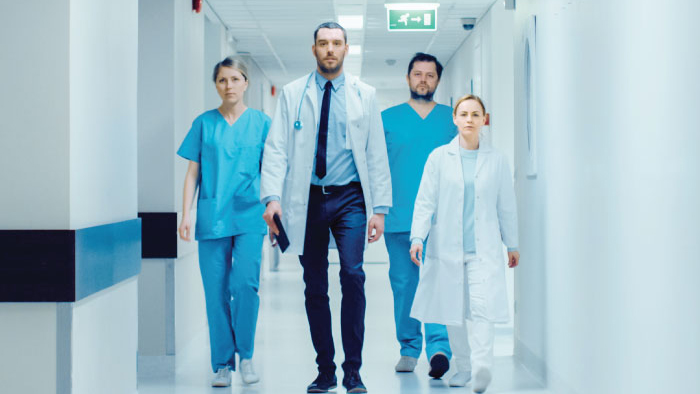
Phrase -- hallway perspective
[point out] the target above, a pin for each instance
(284, 356)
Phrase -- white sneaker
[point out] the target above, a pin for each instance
(482, 379)
(460, 379)
(406, 364)
(222, 378)
(248, 375)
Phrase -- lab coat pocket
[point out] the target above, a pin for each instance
(358, 131)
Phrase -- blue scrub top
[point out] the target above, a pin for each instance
(229, 184)
(409, 141)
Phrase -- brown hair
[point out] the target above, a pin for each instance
(468, 97)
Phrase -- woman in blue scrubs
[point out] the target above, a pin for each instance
(224, 149)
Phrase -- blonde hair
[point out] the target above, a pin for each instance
(469, 97)
(233, 63)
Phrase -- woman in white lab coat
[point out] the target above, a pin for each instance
(466, 209)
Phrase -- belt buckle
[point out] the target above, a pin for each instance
(323, 190)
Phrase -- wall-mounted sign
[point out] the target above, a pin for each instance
(411, 17)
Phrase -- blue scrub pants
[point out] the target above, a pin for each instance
(403, 275)
(343, 211)
(231, 294)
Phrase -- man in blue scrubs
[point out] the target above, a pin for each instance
(325, 167)
(412, 130)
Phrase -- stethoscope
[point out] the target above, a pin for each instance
(298, 124)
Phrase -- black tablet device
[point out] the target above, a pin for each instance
(282, 239)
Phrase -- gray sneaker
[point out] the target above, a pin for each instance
(460, 379)
(482, 379)
(248, 375)
(222, 378)
(406, 364)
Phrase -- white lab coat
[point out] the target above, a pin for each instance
(289, 153)
(438, 215)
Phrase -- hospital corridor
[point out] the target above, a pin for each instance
(349, 196)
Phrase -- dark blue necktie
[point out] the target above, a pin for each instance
(323, 132)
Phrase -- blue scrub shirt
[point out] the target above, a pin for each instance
(229, 187)
(409, 141)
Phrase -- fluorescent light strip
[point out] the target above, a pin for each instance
(412, 6)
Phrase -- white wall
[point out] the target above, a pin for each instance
(156, 103)
(28, 342)
(188, 84)
(258, 94)
(215, 49)
(609, 224)
(155, 307)
(34, 115)
(485, 60)
(105, 338)
(103, 65)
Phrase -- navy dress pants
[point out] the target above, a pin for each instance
(342, 210)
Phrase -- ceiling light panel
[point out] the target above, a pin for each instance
(351, 21)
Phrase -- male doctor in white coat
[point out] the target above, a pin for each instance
(325, 166)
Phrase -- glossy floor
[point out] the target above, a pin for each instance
(284, 356)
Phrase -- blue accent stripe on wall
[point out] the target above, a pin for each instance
(67, 265)
(106, 255)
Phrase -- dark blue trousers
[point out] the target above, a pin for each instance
(342, 210)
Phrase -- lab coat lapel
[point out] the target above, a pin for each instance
(311, 96)
(454, 157)
(353, 103)
(481, 158)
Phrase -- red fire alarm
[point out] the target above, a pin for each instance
(197, 6)
(273, 90)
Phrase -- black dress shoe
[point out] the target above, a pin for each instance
(323, 383)
(439, 364)
(353, 383)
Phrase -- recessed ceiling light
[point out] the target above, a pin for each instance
(355, 50)
(351, 21)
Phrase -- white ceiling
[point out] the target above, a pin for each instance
(278, 35)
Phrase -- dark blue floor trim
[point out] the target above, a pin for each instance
(67, 265)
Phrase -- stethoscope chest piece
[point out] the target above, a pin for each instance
(297, 124)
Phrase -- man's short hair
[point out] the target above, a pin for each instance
(424, 57)
(331, 25)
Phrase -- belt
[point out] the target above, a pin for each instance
(330, 189)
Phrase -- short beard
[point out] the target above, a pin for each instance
(327, 70)
(428, 97)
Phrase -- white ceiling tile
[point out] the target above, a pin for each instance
(289, 25)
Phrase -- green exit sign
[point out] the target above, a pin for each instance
(412, 19)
